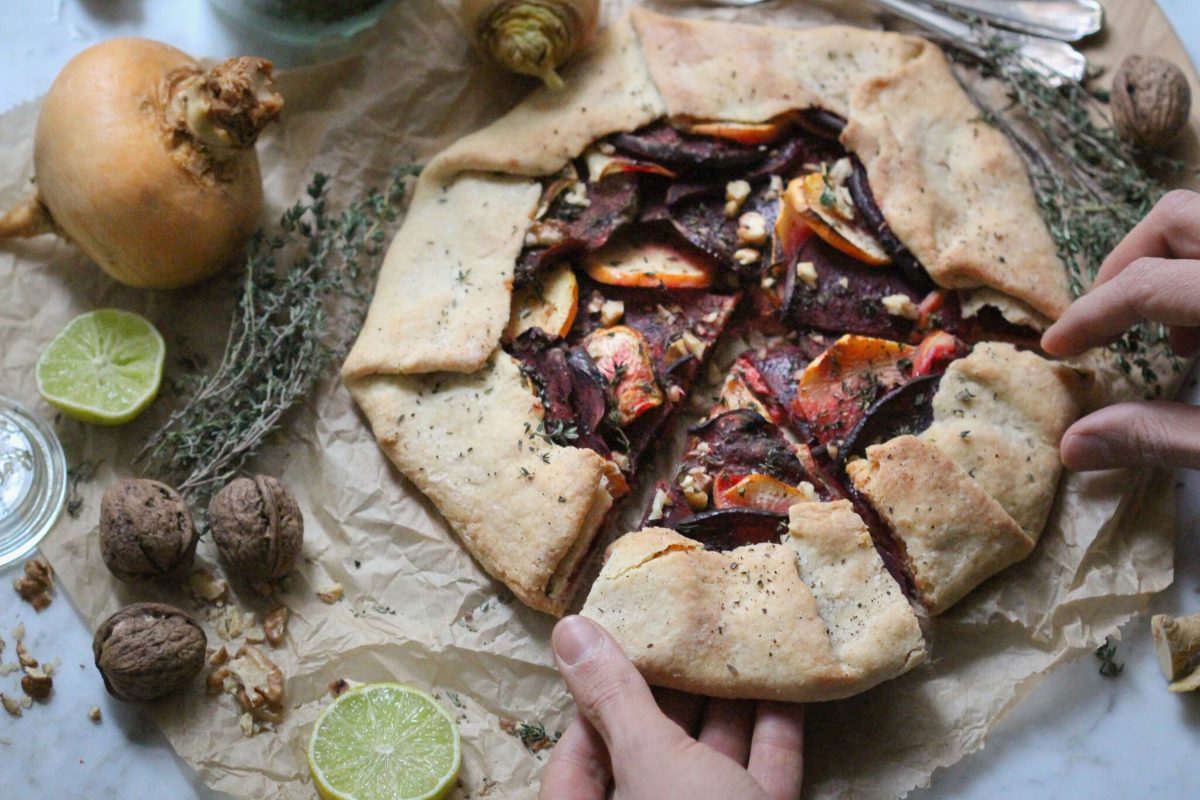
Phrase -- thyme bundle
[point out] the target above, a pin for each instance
(302, 296)
(1092, 186)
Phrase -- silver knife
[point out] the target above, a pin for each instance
(1065, 20)
(1059, 60)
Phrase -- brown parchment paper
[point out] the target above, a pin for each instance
(416, 608)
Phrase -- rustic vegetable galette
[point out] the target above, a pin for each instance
(888, 437)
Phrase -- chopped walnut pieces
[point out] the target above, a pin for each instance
(736, 193)
(11, 705)
(35, 585)
(94, 713)
(752, 228)
(208, 588)
(253, 680)
(37, 684)
(275, 625)
(611, 312)
(255, 634)
(229, 622)
(338, 687)
(332, 593)
(27, 661)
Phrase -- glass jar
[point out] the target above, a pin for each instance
(33, 480)
(303, 22)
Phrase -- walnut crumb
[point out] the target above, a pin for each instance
(208, 588)
(11, 705)
(338, 687)
(253, 680)
(94, 713)
(27, 661)
(332, 593)
(275, 625)
(35, 683)
(35, 585)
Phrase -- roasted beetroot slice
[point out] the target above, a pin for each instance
(727, 528)
(779, 366)
(612, 204)
(902, 259)
(847, 297)
(701, 221)
(588, 395)
(787, 157)
(664, 144)
(889, 546)
(906, 409)
(566, 390)
(822, 123)
(674, 512)
(989, 325)
(741, 441)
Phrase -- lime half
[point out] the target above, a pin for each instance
(105, 367)
(384, 741)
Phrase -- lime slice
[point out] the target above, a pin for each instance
(104, 367)
(384, 741)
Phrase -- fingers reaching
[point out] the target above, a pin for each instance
(608, 689)
(685, 710)
(777, 750)
(578, 767)
(1166, 291)
(727, 728)
(1170, 230)
(1130, 434)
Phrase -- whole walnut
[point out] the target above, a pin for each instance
(257, 527)
(146, 650)
(1151, 101)
(146, 531)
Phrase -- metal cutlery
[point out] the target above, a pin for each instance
(1065, 20)
(1060, 61)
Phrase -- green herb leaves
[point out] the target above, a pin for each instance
(302, 298)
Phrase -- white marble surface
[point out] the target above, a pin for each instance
(1078, 735)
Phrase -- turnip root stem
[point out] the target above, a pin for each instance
(228, 106)
(30, 218)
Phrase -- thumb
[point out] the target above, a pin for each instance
(1133, 434)
(609, 690)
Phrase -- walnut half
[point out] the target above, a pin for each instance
(252, 679)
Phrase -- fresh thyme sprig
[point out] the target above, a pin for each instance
(1107, 654)
(1091, 185)
(302, 297)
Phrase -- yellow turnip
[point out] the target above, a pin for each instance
(146, 161)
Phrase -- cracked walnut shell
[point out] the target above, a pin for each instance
(146, 531)
(147, 650)
(257, 526)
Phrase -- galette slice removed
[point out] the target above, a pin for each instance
(966, 491)
(815, 617)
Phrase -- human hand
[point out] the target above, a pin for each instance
(1153, 274)
(643, 748)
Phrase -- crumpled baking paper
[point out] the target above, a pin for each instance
(417, 608)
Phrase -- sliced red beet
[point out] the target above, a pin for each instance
(904, 410)
(822, 123)
(988, 325)
(674, 511)
(847, 297)
(612, 204)
(588, 390)
(727, 528)
(662, 143)
(660, 316)
(700, 219)
(779, 367)
(741, 442)
(566, 389)
(902, 259)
